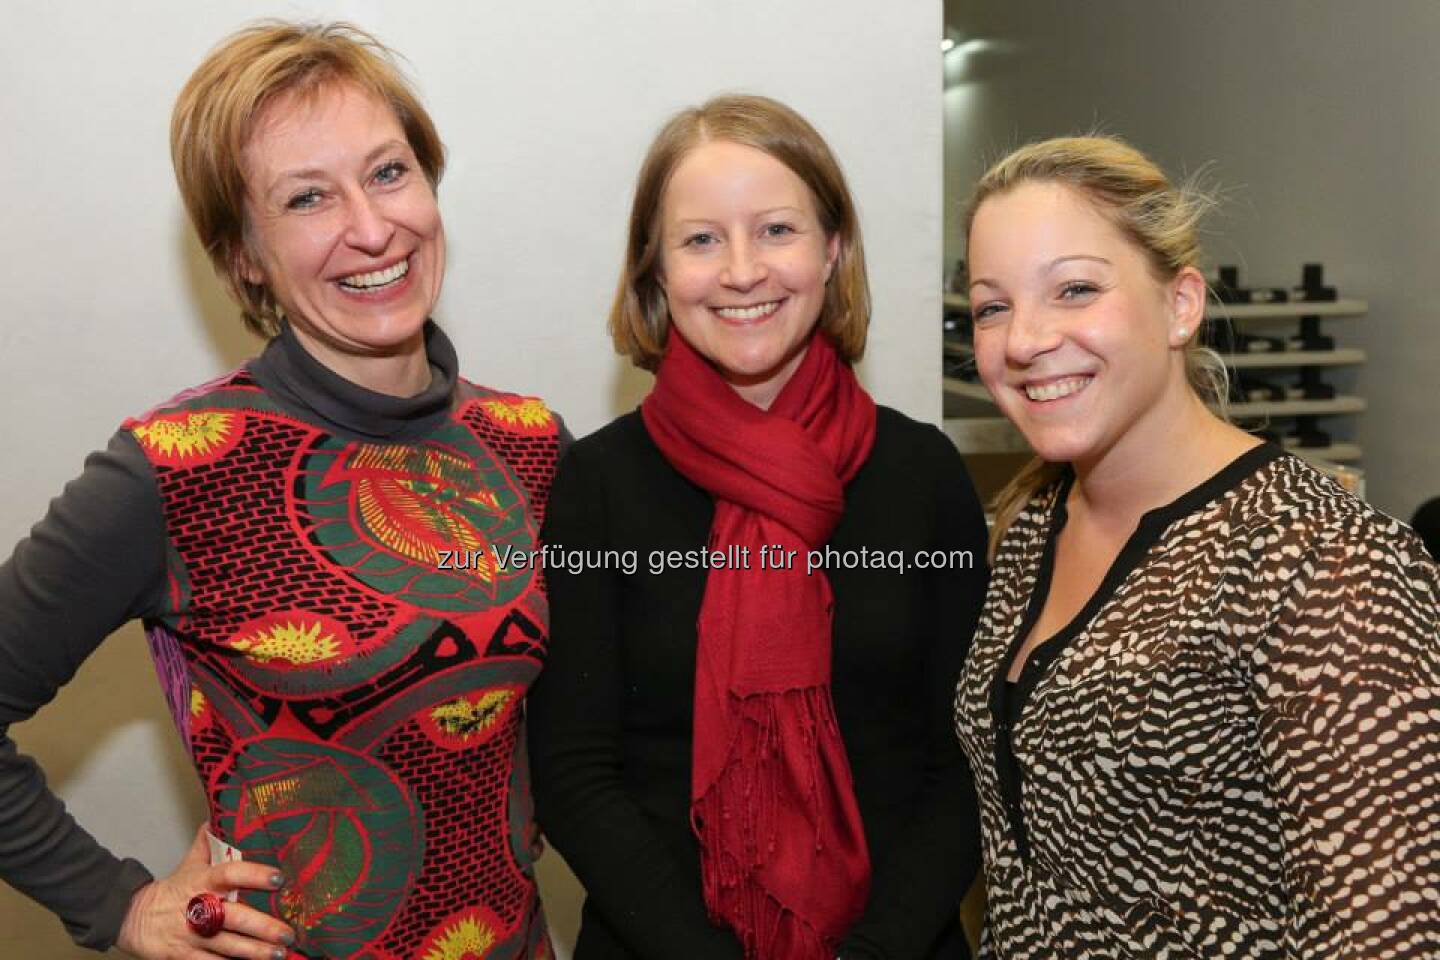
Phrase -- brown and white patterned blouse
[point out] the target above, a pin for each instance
(1233, 750)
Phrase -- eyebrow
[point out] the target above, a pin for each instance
(1075, 256)
(758, 213)
(983, 282)
(309, 173)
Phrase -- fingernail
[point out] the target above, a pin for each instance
(277, 880)
(280, 953)
(287, 938)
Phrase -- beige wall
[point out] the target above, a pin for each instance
(1319, 119)
(546, 108)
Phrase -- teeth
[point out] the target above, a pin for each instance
(377, 278)
(749, 313)
(1056, 389)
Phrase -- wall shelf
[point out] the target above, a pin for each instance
(1297, 408)
(1335, 453)
(1244, 311)
(1285, 311)
(1293, 358)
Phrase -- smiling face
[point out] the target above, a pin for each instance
(1075, 337)
(343, 226)
(744, 264)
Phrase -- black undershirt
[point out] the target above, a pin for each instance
(1008, 698)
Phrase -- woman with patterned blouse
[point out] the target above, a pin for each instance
(1202, 706)
(308, 540)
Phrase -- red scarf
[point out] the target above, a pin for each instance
(782, 848)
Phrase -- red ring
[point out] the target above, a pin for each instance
(205, 914)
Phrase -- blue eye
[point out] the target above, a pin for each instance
(699, 240)
(303, 200)
(392, 172)
(1077, 288)
(779, 230)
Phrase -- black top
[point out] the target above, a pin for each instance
(610, 716)
(97, 561)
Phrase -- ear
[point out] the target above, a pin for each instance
(247, 266)
(832, 254)
(1187, 305)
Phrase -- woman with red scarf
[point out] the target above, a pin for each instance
(741, 739)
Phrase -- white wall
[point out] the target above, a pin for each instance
(1319, 117)
(546, 109)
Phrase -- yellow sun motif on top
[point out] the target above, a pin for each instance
(299, 643)
(197, 435)
(197, 702)
(526, 413)
(466, 718)
(467, 939)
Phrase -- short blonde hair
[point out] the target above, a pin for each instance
(216, 113)
(1160, 219)
(639, 317)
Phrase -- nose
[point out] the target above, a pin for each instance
(744, 267)
(368, 229)
(1030, 333)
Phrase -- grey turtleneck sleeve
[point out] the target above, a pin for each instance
(96, 561)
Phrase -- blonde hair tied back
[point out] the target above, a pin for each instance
(1161, 219)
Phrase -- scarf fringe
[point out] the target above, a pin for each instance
(744, 805)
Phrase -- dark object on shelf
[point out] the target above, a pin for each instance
(1218, 335)
(1266, 434)
(1312, 287)
(1227, 285)
(1309, 437)
(1310, 337)
(1427, 523)
(1312, 386)
(1227, 288)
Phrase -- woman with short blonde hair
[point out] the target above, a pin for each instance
(304, 539)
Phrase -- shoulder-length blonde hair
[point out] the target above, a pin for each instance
(219, 106)
(1162, 221)
(639, 316)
